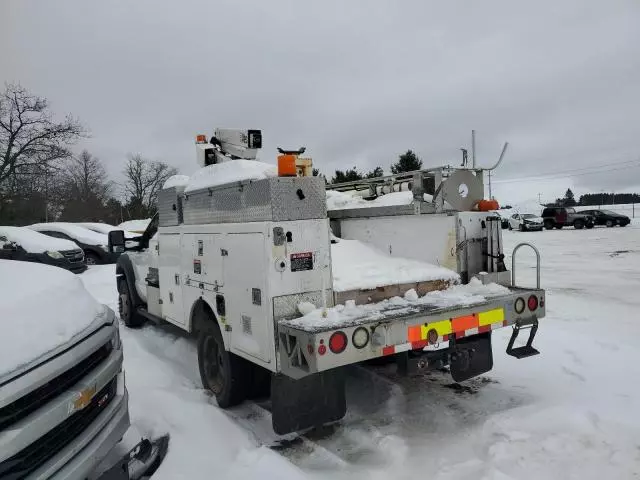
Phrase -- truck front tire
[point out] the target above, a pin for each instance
(126, 306)
(222, 373)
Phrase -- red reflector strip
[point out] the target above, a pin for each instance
(420, 344)
(484, 329)
(389, 350)
(459, 334)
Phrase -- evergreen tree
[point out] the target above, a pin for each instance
(346, 176)
(569, 200)
(407, 162)
(375, 173)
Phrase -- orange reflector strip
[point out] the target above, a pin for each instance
(464, 323)
(414, 334)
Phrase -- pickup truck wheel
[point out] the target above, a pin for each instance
(91, 258)
(222, 373)
(578, 224)
(126, 308)
(548, 224)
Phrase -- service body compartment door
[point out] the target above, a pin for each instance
(170, 278)
(246, 297)
(202, 265)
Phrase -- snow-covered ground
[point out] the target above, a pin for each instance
(570, 412)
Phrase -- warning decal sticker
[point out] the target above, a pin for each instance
(301, 261)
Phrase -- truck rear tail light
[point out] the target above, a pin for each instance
(338, 342)
(360, 337)
(519, 305)
(532, 303)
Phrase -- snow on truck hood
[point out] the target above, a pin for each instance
(41, 308)
(76, 232)
(34, 242)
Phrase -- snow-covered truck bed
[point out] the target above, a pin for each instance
(353, 333)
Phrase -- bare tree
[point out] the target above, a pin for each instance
(84, 188)
(87, 177)
(143, 180)
(29, 136)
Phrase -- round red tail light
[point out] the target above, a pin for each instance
(532, 303)
(338, 342)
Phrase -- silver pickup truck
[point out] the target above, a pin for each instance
(63, 401)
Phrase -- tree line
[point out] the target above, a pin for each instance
(591, 199)
(407, 162)
(42, 179)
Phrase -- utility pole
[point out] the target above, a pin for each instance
(490, 195)
(539, 200)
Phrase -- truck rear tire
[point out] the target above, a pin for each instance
(578, 224)
(126, 307)
(222, 373)
(548, 224)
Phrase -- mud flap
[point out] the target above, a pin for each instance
(311, 401)
(471, 357)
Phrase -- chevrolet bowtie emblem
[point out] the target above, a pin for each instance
(84, 398)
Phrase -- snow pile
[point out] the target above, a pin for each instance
(41, 308)
(229, 172)
(348, 314)
(341, 200)
(34, 242)
(135, 226)
(356, 265)
(176, 181)
(344, 200)
(75, 232)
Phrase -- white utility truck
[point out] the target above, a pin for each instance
(236, 253)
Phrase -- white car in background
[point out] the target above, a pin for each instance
(525, 222)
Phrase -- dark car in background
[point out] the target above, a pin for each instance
(558, 217)
(23, 244)
(93, 244)
(608, 218)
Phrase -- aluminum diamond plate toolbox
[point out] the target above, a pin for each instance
(271, 199)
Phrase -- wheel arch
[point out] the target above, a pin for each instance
(200, 314)
(124, 269)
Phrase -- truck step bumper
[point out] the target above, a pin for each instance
(526, 350)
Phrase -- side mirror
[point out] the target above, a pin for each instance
(116, 241)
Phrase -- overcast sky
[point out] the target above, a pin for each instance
(356, 82)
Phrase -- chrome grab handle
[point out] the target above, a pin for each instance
(513, 263)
